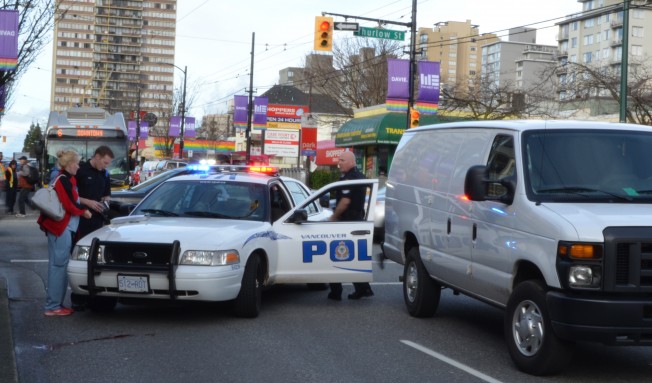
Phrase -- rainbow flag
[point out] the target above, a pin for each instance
(396, 105)
(8, 63)
(205, 145)
(426, 107)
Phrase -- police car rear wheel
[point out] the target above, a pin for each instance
(420, 292)
(532, 344)
(247, 304)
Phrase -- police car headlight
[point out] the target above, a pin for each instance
(209, 258)
(83, 253)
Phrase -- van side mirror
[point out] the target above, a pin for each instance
(476, 186)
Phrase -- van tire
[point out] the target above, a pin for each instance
(248, 302)
(420, 292)
(532, 344)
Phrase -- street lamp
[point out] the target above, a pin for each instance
(183, 107)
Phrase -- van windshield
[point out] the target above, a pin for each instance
(588, 165)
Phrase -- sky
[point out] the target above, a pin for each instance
(214, 40)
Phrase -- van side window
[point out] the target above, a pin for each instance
(501, 163)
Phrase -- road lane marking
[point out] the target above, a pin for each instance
(452, 362)
(28, 260)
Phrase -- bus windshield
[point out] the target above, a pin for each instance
(119, 168)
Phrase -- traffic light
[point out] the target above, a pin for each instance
(323, 33)
(414, 118)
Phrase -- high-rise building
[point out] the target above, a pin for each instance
(456, 45)
(594, 38)
(114, 54)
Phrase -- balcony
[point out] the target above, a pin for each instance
(615, 24)
(616, 42)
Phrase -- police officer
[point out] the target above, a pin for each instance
(94, 185)
(349, 207)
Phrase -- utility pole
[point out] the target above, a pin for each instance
(138, 123)
(250, 108)
(624, 63)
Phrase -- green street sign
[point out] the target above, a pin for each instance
(380, 33)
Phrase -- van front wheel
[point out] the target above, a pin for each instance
(420, 292)
(532, 344)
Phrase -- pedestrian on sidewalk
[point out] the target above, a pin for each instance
(11, 186)
(24, 187)
(60, 233)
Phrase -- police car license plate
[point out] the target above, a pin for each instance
(133, 283)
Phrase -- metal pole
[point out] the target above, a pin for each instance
(251, 104)
(624, 63)
(138, 123)
(183, 112)
(413, 52)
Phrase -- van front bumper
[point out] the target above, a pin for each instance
(607, 320)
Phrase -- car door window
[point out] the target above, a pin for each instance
(501, 163)
(299, 194)
(278, 201)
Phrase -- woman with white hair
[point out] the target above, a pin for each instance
(60, 233)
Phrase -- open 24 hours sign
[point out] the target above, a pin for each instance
(282, 143)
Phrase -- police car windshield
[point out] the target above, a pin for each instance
(588, 165)
(207, 199)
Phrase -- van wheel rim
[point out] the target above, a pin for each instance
(411, 282)
(527, 328)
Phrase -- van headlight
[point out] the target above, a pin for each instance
(580, 265)
(209, 257)
(83, 253)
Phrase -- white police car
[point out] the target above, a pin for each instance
(222, 236)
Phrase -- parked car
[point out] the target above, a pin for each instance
(220, 236)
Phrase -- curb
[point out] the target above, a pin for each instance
(8, 371)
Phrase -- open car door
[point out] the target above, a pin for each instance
(325, 251)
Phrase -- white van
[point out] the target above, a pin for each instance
(549, 220)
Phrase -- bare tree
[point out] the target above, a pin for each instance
(356, 76)
(585, 84)
(35, 19)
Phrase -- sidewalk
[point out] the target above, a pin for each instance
(8, 372)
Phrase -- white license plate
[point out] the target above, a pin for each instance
(133, 283)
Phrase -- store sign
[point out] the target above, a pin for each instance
(282, 143)
(285, 116)
(308, 141)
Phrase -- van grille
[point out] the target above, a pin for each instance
(628, 259)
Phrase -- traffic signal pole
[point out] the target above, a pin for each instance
(413, 50)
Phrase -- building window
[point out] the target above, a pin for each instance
(637, 50)
(574, 42)
(586, 57)
(637, 31)
(588, 39)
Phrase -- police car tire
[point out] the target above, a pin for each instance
(420, 292)
(102, 304)
(247, 304)
(525, 306)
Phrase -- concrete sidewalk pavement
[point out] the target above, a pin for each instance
(8, 371)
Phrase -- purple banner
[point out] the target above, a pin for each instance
(260, 113)
(144, 129)
(175, 126)
(131, 130)
(398, 86)
(240, 112)
(189, 128)
(428, 81)
(8, 40)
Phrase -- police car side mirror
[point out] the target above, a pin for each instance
(299, 216)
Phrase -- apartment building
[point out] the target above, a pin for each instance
(456, 45)
(594, 37)
(114, 54)
(517, 64)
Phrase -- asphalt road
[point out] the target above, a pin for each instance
(300, 336)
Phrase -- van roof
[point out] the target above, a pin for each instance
(523, 125)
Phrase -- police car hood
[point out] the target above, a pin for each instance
(196, 232)
(590, 219)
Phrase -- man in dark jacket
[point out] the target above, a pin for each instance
(349, 207)
(94, 186)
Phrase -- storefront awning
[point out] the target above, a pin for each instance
(386, 128)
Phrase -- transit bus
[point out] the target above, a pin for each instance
(84, 129)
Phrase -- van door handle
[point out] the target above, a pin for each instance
(475, 231)
(448, 226)
(360, 232)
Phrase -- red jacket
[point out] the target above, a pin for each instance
(65, 186)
